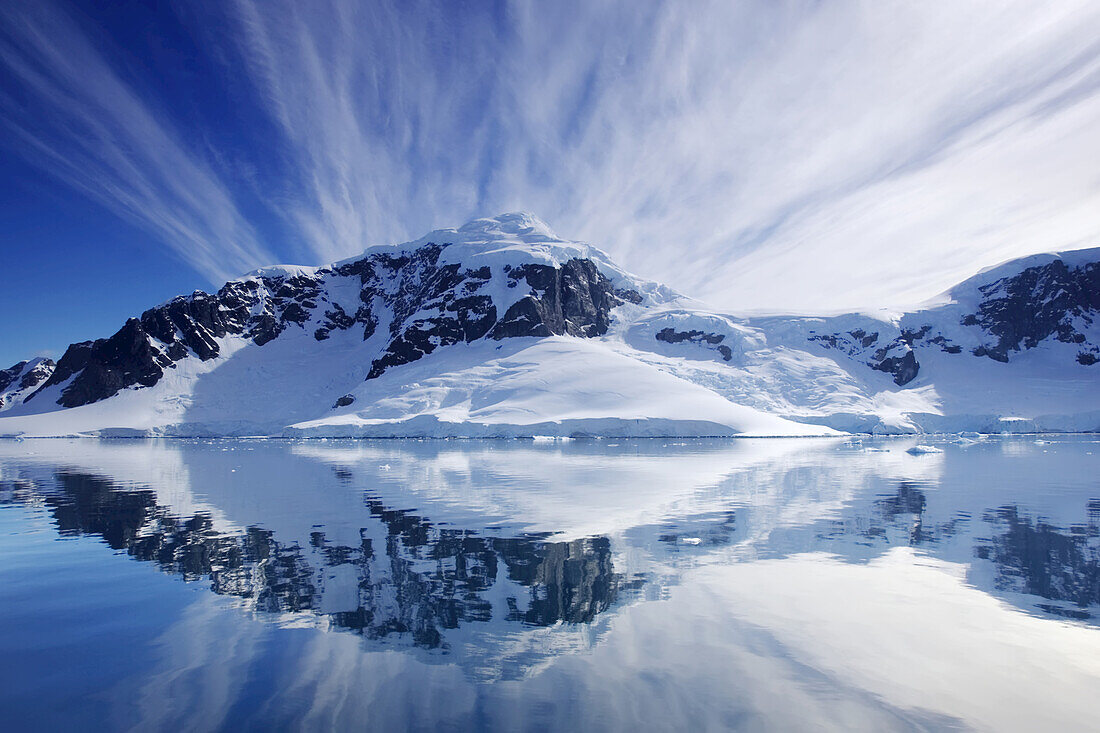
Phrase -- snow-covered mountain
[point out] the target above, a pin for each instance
(500, 328)
(21, 380)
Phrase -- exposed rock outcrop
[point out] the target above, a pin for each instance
(1054, 300)
(895, 357)
(573, 300)
(20, 380)
(307, 338)
(694, 336)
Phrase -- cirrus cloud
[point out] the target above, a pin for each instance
(774, 155)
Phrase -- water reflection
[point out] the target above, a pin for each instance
(897, 520)
(594, 574)
(1038, 558)
(422, 579)
(407, 575)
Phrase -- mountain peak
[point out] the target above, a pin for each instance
(516, 227)
(520, 225)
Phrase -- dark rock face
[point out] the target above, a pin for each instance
(11, 375)
(895, 357)
(436, 306)
(425, 305)
(185, 326)
(101, 368)
(1052, 300)
(344, 401)
(904, 368)
(35, 375)
(336, 319)
(574, 300)
(1020, 312)
(25, 374)
(629, 296)
(672, 336)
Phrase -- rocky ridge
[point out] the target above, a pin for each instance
(422, 303)
(496, 281)
(999, 315)
(21, 380)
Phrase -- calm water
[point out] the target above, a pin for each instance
(635, 585)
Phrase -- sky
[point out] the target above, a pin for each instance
(800, 156)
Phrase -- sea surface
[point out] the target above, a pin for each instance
(550, 585)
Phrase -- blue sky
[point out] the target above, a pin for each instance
(756, 154)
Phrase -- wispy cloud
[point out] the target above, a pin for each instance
(376, 105)
(757, 154)
(809, 155)
(72, 113)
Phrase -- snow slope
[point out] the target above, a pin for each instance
(555, 386)
(501, 329)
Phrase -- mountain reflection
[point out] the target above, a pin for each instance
(426, 578)
(1032, 556)
(419, 581)
(897, 519)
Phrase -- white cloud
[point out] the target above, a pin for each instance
(848, 154)
(761, 154)
(76, 117)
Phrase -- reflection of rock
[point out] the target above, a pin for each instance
(909, 501)
(573, 580)
(422, 582)
(711, 530)
(1029, 556)
(894, 519)
(405, 579)
(1035, 557)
